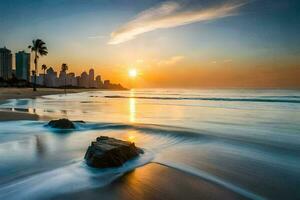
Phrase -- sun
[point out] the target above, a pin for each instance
(132, 73)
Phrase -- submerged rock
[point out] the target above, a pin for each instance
(61, 124)
(110, 152)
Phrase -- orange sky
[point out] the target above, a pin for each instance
(199, 44)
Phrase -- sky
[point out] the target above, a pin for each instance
(175, 43)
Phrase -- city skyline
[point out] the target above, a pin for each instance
(22, 70)
(205, 43)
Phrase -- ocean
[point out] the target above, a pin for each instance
(246, 141)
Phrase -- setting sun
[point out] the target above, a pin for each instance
(132, 73)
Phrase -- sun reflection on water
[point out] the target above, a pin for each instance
(132, 107)
(131, 138)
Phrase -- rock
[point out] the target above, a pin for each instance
(62, 124)
(110, 152)
(79, 121)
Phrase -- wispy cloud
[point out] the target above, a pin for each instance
(97, 37)
(171, 14)
(171, 61)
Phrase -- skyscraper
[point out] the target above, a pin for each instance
(5, 63)
(23, 65)
(91, 78)
(84, 80)
(51, 78)
(99, 83)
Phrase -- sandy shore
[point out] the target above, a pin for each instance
(150, 182)
(18, 93)
(155, 181)
(10, 116)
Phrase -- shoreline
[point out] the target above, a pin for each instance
(20, 93)
(155, 181)
(28, 93)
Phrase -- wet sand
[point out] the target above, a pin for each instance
(155, 181)
(150, 182)
(10, 116)
(18, 93)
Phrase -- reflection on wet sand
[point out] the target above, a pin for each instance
(40, 146)
(154, 181)
(132, 107)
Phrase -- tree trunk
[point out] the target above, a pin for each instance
(35, 69)
(44, 77)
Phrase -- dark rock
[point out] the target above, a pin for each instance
(110, 152)
(79, 121)
(62, 124)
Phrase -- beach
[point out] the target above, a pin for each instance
(155, 181)
(17, 93)
(137, 183)
(25, 93)
(199, 144)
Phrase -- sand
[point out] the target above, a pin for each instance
(18, 93)
(10, 116)
(150, 182)
(155, 181)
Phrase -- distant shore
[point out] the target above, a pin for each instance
(20, 93)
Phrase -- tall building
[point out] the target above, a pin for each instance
(71, 79)
(62, 78)
(5, 63)
(51, 78)
(99, 83)
(23, 65)
(91, 78)
(84, 80)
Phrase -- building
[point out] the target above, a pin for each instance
(91, 78)
(84, 80)
(5, 63)
(23, 65)
(106, 84)
(99, 83)
(51, 78)
(62, 79)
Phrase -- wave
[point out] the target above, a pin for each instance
(267, 100)
(190, 135)
(211, 178)
(71, 178)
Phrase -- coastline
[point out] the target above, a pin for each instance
(20, 93)
(155, 181)
(151, 181)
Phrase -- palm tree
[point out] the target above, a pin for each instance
(64, 68)
(39, 48)
(44, 67)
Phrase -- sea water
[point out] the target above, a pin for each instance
(247, 141)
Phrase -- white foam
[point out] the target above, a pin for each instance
(211, 178)
(74, 177)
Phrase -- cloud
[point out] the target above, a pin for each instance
(170, 14)
(171, 61)
(97, 37)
